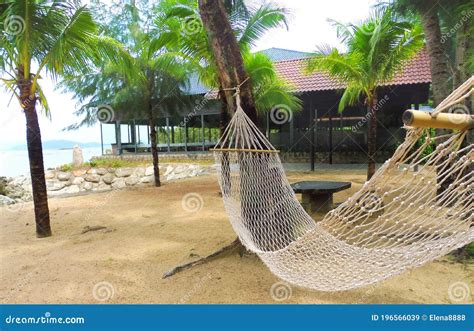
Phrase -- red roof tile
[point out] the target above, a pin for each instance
(415, 71)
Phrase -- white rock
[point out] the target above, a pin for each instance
(102, 188)
(149, 171)
(73, 189)
(20, 180)
(108, 178)
(139, 172)
(146, 179)
(54, 185)
(4, 200)
(93, 178)
(119, 183)
(132, 180)
(77, 157)
(50, 174)
(87, 186)
(123, 172)
(169, 169)
(180, 169)
(79, 172)
(77, 181)
(101, 171)
(63, 176)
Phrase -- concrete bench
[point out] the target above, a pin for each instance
(317, 195)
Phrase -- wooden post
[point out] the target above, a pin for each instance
(203, 128)
(118, 137)
(330, 137)
(101, 140)
(168, 133)
(312, 123)
(292, 131)
(185, 135)
(133, 130)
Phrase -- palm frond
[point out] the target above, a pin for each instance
(266, 17)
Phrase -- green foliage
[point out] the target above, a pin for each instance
(431, 133)
(54, 37)
(184, 27)
(456, 19)
(66, 167)
(110, 163)
(152, 80)
(268, 89)
(470, 250)
(376, 50)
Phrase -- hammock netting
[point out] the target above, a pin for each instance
(417, 207)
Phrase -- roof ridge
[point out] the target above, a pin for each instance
(285, 49)
(292, 60)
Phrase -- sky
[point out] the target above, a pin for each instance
(308, 27)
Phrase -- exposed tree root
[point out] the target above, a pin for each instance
(232, 247)
(93, 228)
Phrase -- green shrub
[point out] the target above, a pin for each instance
(66, 167)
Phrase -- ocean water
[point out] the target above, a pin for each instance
(15, 163)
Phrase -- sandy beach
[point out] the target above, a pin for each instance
(147, 231)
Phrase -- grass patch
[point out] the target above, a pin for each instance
(127, 163)
(66, 167)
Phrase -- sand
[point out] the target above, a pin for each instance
(148, 232)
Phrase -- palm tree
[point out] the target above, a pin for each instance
(438, 17)
(44, 38)
(376, 50)
(216, 40)
(150, 81)
(248, 24)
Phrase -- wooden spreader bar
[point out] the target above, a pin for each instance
(421, 119)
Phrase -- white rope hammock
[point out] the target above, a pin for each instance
(398, 220)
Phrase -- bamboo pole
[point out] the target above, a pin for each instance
(244, 150)
(421, 119)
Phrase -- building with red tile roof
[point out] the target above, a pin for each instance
(415, 71)
(318, 127)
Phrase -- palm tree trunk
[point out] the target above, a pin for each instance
(462, 45)
(154, 147)
(35, 155)
(439, 66)
(229, 62)
(436, 52)
(371, 136)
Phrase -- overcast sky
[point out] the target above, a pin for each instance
(308, 27)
